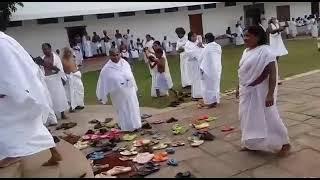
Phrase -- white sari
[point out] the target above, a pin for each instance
(261, 126)
(185, 76)
(25, 104)
(192, 53)
(276, 43)
(211, 72)
(117, 80)
(75, 90)
(55, 87)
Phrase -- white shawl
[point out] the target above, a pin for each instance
(211, 60)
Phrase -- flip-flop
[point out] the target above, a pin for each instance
(202, 125)
(207, 136)
(171, 120)
(172, 162)
(160, 157)
(128, 137)
(211, 119)
(177, 144)
(139, 143)
(204, 117)
(81, 145)
(128, 153)
(178, 129)
(160, 146)
(157, 122)
(118, 170)
(195, 141)
(107, 120)
(94, 121)
(143, 158)
(170, 150)
(227, 129)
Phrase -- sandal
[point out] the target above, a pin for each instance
(158, 122)
(195, 142)
(128, 153)
(186, 174)
(170, 150)
(203, 117)
(207, 136)
(145, 116)
(107, 120)
(140, 143)
(146, 126)
(211, 119)
(94, 121)
(160, 146)
(227, 129)
(202, 125)
(177, 144)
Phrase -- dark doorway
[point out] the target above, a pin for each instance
(283, 13)
(74, 31)
(252, 13)
(195, 21)
(315, 8)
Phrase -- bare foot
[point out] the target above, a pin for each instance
(55, 158)
(9, 161)
(284, 150)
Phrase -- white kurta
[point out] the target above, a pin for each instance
(276, 43)
(211, 72)
(314, 28)
(117, 80)
(185, 76)
(293, 28)
(261, 126)
(192, 53)
(75, 90)
(239, 38)
(56, 89)
(24, 106)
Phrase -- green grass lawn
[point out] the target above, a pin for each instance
(303, 56)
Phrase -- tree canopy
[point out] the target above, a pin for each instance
(6, 10)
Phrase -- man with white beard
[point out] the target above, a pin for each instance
(210, 67)
(55, 77)
(23, 106)
(116, 79)
(185, 76)
(193, 50)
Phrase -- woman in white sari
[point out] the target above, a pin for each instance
(261, 126)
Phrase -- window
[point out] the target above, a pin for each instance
(122, 14)
(106, 15)
(196, 7)
(15, 23)
(73, 18)
(153, 11)
(209, 6)
(47, 21)
(230, 4)
(174, 9)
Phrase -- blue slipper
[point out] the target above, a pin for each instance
(172, 162)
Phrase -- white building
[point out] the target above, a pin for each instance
(56, 22)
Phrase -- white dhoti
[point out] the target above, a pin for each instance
(261, 126)
(57, 92)
(75, 90)
(24, 106)
(117, 80)
(107, 47)
(211, 72)
(276, 43)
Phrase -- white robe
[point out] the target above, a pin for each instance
(75, 90)
(193, 53)
(117, 80)
(24, 106)
(261, 126)
(293, 28)
(276, 43)
(56, 89)
(239, 38)
(314, 28)
(211, 72)
(185, 76)
(88, 49)
(264, 22)
(107, 46)
(78, 54)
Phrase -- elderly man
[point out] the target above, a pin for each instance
(23, 106)
(116, 79)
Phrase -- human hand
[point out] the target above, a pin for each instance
(269, 100)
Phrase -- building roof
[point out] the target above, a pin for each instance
(39, 10)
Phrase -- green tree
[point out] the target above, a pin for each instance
(6, 10)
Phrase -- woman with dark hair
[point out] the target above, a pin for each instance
(261, 126)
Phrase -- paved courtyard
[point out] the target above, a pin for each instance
(298, 103)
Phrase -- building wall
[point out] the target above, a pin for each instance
(216, 20)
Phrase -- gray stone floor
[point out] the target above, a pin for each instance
(298, 103)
